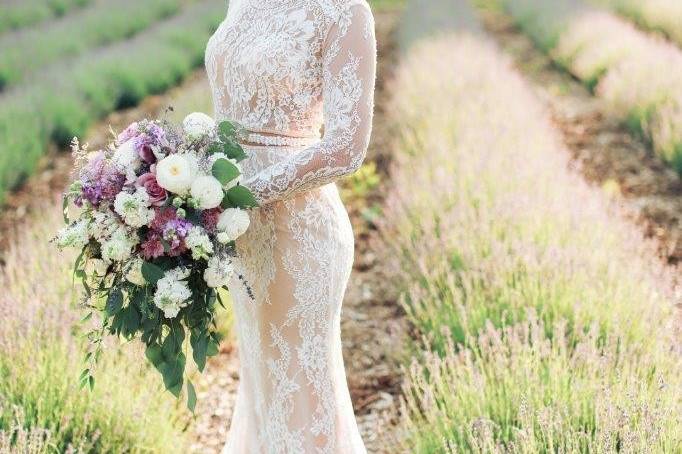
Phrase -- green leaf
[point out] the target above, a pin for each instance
(191, 396)
(227, 129)
(154, 355)
(199, 347)
(224, 171)
(213, 348)
(114, 301)
(152, 273)
(241, 197)
(172, 371)
(130, 321)
(233, 151)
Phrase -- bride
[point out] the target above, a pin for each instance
(283, 69)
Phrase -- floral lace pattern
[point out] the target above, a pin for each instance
(286, 69)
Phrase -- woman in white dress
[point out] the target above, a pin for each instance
(285, 69)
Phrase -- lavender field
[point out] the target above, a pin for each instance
(518, 221)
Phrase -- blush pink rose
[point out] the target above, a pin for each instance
(157, 194)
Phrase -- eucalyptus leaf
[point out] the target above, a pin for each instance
(241, 197)
(224, 171)
(191, 396)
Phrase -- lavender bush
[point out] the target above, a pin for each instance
(543, 324)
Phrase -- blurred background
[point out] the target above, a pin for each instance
(518, 227)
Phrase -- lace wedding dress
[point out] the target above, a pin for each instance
(283, 69)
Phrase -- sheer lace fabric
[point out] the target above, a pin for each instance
(285, 69)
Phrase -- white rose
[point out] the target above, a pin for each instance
(233, 222)
(134, 275)
(174, 173)
(126, 157)
(207, 191)
(198, 124)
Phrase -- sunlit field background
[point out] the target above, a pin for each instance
(541, 313)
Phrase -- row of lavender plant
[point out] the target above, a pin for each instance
(18, 14)
(42, 408)
(637, 74)
(102, 22)
(544, 325)
(65, 99)
(663, 16)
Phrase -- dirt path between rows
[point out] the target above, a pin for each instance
(603, 150)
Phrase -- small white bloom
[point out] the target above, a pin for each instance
(134, 208)
(103, 225)
(223, 238)
(233, 222)
(134, 274)
(207, 191)
(199, 243)
(126, 158)
(76, 235)
(198, 124)
(99, 266)
(218, 272)
(119, 247)
(172, 294)
(174, 173)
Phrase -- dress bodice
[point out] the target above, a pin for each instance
(285, 68)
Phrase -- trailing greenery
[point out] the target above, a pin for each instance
(40, 354)
(541, 324)
(101, 23)
(65, 100)
(22, 13)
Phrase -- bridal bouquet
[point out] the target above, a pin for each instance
(158, 213)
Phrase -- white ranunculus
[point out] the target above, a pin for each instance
(174, 174)
(198, 124)
(126, 157)
(207, 191)
(218, 272)
(134, 274)
(233, 222)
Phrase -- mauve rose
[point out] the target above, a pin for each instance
(157, 195)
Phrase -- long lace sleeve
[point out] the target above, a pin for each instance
(349, 70)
